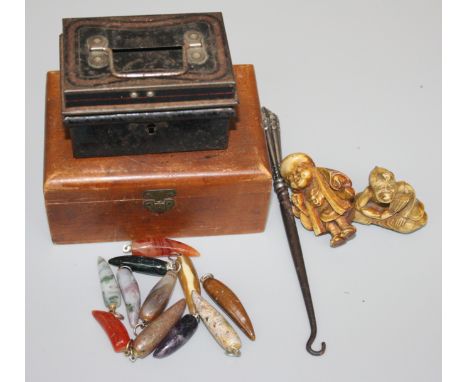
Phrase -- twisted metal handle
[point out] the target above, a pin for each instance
(272, 135)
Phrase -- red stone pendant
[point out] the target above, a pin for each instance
(114, 329)
(160, 246)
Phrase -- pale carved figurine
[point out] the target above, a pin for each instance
(389, 204)
(322, 198)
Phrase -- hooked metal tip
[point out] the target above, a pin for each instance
(315, 352)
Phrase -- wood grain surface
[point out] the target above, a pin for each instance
(217, 192)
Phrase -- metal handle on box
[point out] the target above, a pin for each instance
(193, 52)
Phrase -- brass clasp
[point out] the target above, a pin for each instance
(159, 201)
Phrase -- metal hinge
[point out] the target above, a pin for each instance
(159, 201)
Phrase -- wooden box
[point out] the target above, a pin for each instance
(123, 198)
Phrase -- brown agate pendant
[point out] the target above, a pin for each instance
(156, 331)
(229, 302)
(158, 298)
(159, 246)
(188, 279)
(322, 198)
(389, 203)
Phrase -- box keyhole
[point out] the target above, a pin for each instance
(151, 129)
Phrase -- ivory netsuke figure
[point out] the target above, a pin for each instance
(389, 203)
(322, 198)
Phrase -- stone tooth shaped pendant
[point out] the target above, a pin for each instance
(188, 279)
(130, 293)
(229, 302)
(114, 329)
(142, 264)
(177, 337)
(155, 332)
(161, 247)
(109, 287)
(158, 297)
(217, 325)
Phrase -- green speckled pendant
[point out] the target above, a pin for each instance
(143, 264)
(109, 286)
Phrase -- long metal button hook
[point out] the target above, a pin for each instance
(272, 135)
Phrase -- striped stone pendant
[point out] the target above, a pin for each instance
(177, 337)
(158, 298)
(229, 303)
(157, 330)
(160, 246)
(188, 279)
(110, 289)
(130, 293)
(217, 325)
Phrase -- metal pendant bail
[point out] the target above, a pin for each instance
(141, 326)
(130, 352)
(112, 310)
(174, 265)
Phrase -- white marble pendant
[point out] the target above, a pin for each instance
(130, 293)
(109, 287)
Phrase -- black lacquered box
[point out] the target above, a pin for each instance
(146, 84)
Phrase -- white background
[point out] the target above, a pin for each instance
(356, 84)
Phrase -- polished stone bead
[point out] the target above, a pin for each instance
(130, 293)
(162, 247)
(154, 333)
(217, 325)
(158, 297)
(114, 329)
(177, 337)
(229, 302)
(110, 289)
(142, 264)
(188, 279)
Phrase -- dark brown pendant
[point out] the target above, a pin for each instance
(229, 302)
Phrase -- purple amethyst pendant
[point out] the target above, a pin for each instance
(177, 337)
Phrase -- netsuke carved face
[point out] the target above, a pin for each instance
(296, 169)
(382, 182)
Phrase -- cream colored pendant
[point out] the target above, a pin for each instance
(217, 325)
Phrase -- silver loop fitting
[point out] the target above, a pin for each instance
(174, 265)
(130, 352)
(141, 325)
(206, 276)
